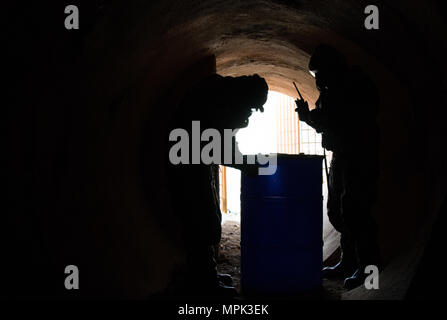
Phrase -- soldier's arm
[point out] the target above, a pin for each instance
(316, 118)
(249, 169)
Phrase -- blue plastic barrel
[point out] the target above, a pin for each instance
(281, 228)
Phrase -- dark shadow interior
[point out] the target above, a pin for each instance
(91, 109)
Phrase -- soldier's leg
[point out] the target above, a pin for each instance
(203, 280)
(357, 203)
(205, 235)
(225, 279)
(335, 189)
(348, 260)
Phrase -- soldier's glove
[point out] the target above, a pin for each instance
(260, 108)
(302, 107)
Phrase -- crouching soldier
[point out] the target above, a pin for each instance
(218, 103)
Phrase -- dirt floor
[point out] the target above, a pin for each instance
(230, 261)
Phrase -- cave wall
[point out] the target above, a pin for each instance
(90, 112)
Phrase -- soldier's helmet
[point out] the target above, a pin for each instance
(253, 89)
(249, 92)
(326, 62)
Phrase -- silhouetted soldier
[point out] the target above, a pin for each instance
(219, 103)
(345, 113)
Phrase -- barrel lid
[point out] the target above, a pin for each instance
(299, 156)
(295, 156)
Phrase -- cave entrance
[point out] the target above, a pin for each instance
(276, 130)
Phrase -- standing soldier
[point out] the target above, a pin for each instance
(345, 114)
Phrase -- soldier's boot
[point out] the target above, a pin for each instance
(357, 279)
(209, 288)
(214, 287)
(206, 282)
(223, 291)
(369, 254)
(348, 261)
(225, 279)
